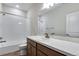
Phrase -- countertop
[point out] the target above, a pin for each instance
(65, 47)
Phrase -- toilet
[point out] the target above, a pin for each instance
(23, 49)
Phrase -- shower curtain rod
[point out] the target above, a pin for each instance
(11, 14)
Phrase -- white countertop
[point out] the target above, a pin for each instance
(65, 47)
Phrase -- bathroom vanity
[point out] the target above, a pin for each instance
(40, 46)
(37, 49)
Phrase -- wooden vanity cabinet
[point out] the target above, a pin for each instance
(37, 49)
(31, 48)
(47, 51)
(39, 53)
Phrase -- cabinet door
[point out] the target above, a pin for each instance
(28, 49)
(39, 53)
(48, 51)
(31, 48)
(33, 51)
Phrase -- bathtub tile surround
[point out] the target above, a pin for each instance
(13, 31)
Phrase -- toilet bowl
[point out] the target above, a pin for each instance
(23, 49)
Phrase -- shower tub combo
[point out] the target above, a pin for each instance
(13, 32)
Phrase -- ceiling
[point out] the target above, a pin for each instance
(22, 6)
(27, 6)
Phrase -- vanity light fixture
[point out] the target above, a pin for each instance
(47, 5)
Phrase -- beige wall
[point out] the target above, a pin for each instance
(56, 17)
(33, 14)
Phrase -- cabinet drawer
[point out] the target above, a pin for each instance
(31, 42)
(48, 51)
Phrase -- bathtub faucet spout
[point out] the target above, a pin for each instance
(2, 41)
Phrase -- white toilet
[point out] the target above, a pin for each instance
(23, 49)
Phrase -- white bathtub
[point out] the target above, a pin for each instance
(8, 47)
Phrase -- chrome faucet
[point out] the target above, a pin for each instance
(46, 35)
(1, 40)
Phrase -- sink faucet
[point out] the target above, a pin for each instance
(46, 35)
(1, 40)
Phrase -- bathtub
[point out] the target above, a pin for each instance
(8, 47)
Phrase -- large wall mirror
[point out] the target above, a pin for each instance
(72, 24)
